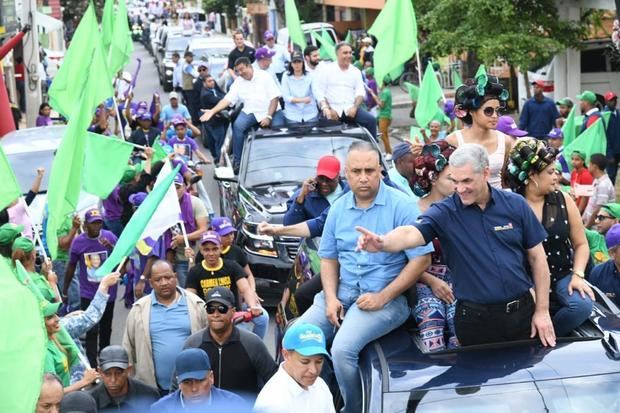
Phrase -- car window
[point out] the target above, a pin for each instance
(592, 394)
(211, 53)
(25, 174)
(291, 159)
(177, 43)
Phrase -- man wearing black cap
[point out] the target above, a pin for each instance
(197, 392)
(118, 392)
(78, 402)
(245, 363)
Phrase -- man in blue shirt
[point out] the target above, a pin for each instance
(317, 193)
(402, 172)
(606, 276)
(613, 135)
(362, 293)
(196, 390)
(486, 236)
(539, 113)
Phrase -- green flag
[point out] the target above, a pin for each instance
(326, 50)
(430, 93)
(158, 152)
(22, 340)
(396, 31)
(136, 225)
(9, 190)
(107, 25)
(412, 90)
(86, 51)
(105, 161)
(349, 38)
(415, 135)
(327, 38)
(121, 46)
(569, 130)
(295, 31)
(592, 140)
(456, 79)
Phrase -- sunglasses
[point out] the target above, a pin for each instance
(220, 308)
(602, 217)
(489, 111)
(202, 69)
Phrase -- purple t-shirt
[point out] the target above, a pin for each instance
(183, 147)
(44, 121)
(113, 207)
(90, 253)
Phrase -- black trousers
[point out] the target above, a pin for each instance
(98, 337)
(612, 166)
(476, 324)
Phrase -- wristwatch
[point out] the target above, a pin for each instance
(579, 274)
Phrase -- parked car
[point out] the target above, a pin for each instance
(273, 165)
(169, 33)
(213, 50)
(318, 28)
(581, 374)
(174, 44)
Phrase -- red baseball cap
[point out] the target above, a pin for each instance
(539, 83)
(610, 96)
(328, 166)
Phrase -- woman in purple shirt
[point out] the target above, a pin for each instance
(44, 118)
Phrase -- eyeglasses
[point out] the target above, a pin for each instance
(602, 217)
(220, 308)
(489, 111)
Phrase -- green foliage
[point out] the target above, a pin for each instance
(521, 32)
(223, 6)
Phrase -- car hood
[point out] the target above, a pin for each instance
(269, 200)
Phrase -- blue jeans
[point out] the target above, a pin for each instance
(261, 323)
(240, 128)
(217, 134)
(574, 311)
(73, 295)
(358, 328)
(181, 268)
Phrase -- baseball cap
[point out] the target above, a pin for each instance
(306, 339)
(143, 105)
(610, 96)
(613, 208)
(113, 356)
(173, 95)
(565, 102)
(268, 35)
(179, 121)
(178, 179)
(221, 295)
(539, 83)
(130, 172)
(144, 116)
(137, 199)
(8, 233)
(222, 225)
(508, 126)
(400, 150)
(202, 63)
(328, 166)
(48, 308)
(93, 215)
(296, 57)
(78, 402)
(212, 237)
(192, 363)
(612, 238)
(263, 53)
(587, 96)
(23, 244)
(556, 133)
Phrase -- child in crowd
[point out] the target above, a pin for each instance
(44, 118)
(604, 191)
(579, 176)
(606, 276)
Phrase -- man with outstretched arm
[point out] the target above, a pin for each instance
(487, 234)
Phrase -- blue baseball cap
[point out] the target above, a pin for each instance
(306, 339)
(192, 364)
(222, 225)
(555, 133)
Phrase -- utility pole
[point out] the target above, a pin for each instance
(31, 63)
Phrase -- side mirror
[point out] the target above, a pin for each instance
(224, 174)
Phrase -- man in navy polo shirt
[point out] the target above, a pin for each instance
(539, 113)
(486, 235)
(606, 276)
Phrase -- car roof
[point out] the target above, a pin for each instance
(201, 42)
(405, 368)
(38, 139)
(312, 130)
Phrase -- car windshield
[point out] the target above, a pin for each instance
(210, 53)
(592, 394)
(291, 159)
(176, 44)
(25, 174)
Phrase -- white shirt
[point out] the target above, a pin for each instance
(339, 87)
(278, 61)
(255, 94)
(282, 394)
(604, 192)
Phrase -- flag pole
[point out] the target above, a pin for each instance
(120, 265)
(191, 260)
(118, 119)
(417, 56)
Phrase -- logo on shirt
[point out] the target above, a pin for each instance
(503, 227)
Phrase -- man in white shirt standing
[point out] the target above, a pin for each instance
(296, 387)
(340, 91)
(281, 56)
(259, 93)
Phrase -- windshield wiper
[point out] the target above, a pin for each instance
(276, 183)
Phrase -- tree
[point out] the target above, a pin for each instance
(520, 32)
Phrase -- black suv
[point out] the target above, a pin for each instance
(273, 165)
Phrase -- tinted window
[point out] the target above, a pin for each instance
(593, 61)
(291, 159)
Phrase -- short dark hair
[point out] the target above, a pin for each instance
(290, 71)
(175, 54)
(243, 61)
(599, 160)
(238, 31)
(308, 50)
(188, 53)
(340, 45)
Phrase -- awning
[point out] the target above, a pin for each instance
(47, 23)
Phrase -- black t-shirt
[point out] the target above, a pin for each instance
(202, 279)
(236, 54)
(139, 137)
